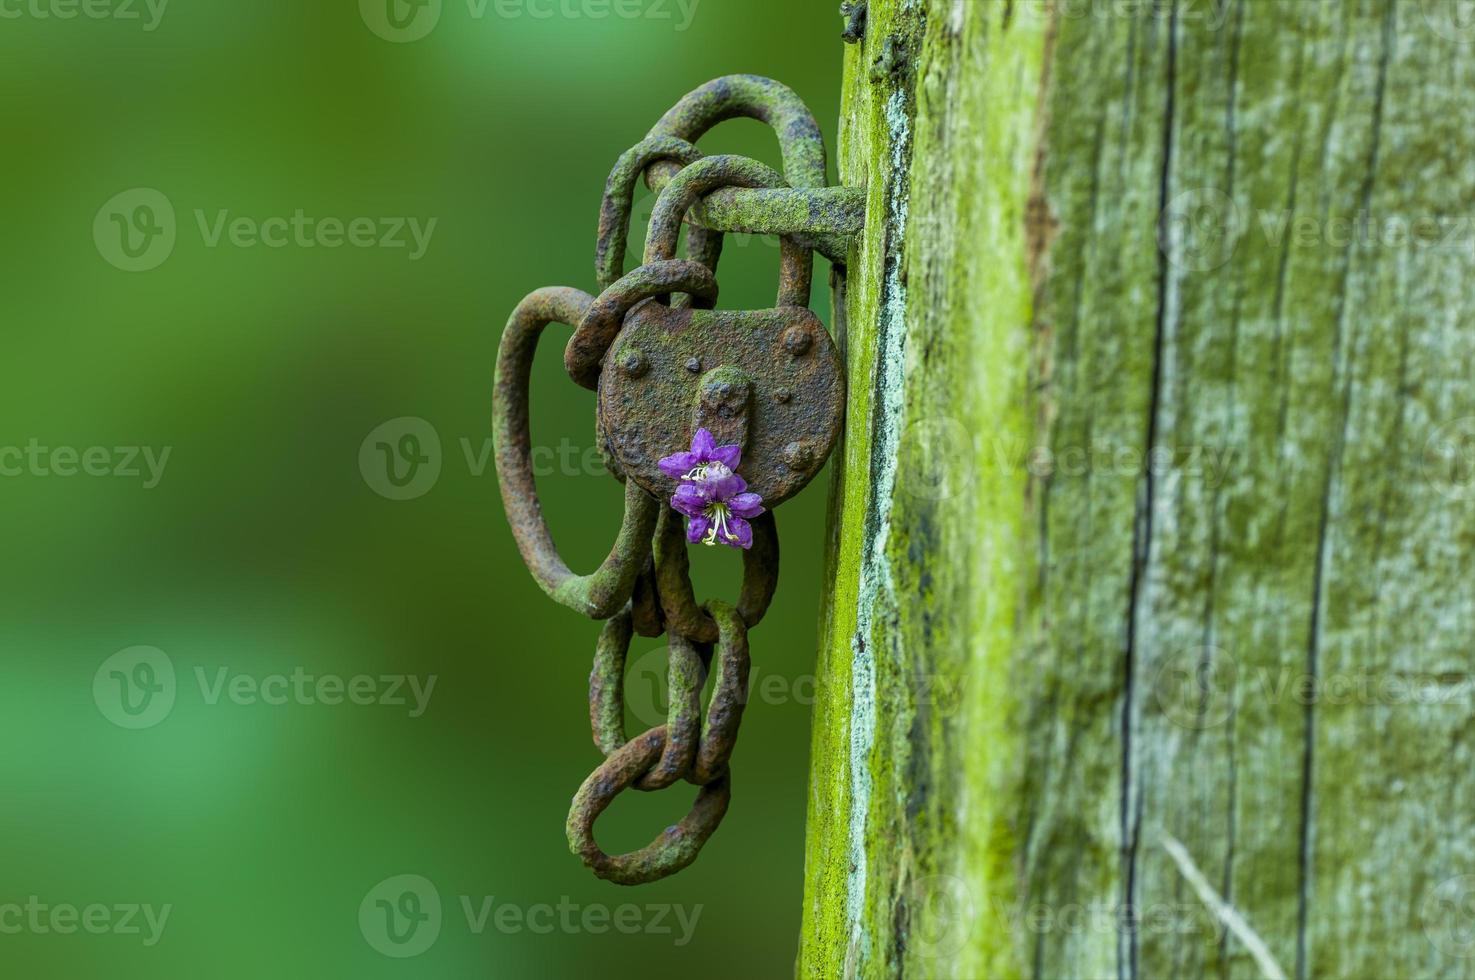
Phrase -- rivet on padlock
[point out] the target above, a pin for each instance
(785, 392)
(774, 401)
(722, 406)
(798, 341)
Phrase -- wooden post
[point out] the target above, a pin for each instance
(1149, 652)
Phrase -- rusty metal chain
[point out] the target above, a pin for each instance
(764, 387)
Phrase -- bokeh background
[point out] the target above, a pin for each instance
(267, 546)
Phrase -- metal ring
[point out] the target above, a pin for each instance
(673, 577)
(674, 849)
(645, 605)
(601, 594)
(619, 198)
(703, 245)
(686, 673)
(607, 683)
(770, 102)
(732, 96)
(687, 188)
(729, 697)
(601, 322)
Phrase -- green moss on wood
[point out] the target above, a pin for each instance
(1176, 401)
(926, 570)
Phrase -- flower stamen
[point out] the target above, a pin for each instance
(718, 514)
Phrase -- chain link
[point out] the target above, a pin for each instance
(644, 586)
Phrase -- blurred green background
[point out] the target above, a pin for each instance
(264, 549)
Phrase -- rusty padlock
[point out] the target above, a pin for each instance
(768, 380)
(665, 365)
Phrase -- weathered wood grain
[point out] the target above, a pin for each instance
(1157, 494)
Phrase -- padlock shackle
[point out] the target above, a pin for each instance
(796, 275)
(619, 200)
(753, 97)
(829, 218)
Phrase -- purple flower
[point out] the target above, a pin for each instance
(704, 452)
(718, 508)
(714, 499)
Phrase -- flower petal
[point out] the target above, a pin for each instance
(689, 500)
(697, 528)
(739, 533)
(746, 505)
(702, 444)
(729, 456)
(678, 465)
(724, 487)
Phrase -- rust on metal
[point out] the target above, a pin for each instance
(647, 416)
(724, 399)
(796, 272)
(673, 577)
(675, 848)
(729, 696)
(602, 593)
(619, 198)
(685, 673)
(801, 144)
(583, 358)
(645, 604)
(665, 364)
(607, 683)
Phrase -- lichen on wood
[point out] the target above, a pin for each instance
(1151, 522)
